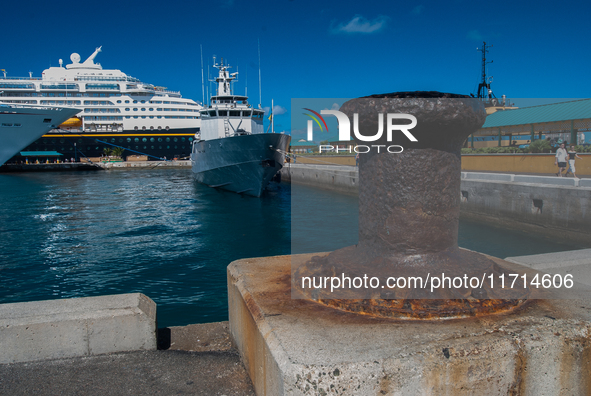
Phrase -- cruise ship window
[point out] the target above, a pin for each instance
(127, 101)
(152, 140)
(167, 140)
(159, 139)
(135, 101)
(175, 139)
(143, 109)
(151, 109)
(135, 109)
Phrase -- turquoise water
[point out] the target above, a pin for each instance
(158, 232)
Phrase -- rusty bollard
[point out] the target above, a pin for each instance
(409, 207)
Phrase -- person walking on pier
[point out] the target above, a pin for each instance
(560, 160)
(572, 154)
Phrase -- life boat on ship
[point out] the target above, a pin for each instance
(73, 122)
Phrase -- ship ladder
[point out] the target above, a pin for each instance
(227, 127)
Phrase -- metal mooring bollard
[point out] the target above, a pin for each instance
(409, 208)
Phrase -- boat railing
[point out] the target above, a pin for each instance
(20, 78)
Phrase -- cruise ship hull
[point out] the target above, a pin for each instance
(22, 125)
(242, 164)
(152, 143)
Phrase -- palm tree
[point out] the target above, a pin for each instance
(118, 151)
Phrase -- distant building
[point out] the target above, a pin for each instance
(568, 121)
(302, 146)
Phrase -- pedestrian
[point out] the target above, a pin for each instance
(357, 160)
(572, 154)
(560, 159)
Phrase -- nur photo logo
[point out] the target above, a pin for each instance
(344, 126)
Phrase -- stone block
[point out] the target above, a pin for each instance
(298, 347)
(76, 327)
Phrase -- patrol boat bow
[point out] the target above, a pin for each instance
(232, 152)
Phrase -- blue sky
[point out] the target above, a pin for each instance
(313, 49)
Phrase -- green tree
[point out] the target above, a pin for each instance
(539, 146)
(118, 151)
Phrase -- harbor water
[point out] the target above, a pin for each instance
(160, 233)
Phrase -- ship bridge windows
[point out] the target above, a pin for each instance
(223, 113)
(211, 113)
(234, 114)
(247, 113)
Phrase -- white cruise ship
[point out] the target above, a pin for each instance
(115, 110)
(21, 125)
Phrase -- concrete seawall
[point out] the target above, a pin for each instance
(552, 206)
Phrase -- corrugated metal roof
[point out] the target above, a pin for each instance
(565, 111)
(40, 154)
(295, 144)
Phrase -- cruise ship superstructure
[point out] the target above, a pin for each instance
(115, 109)
(232, 152)
(20, 125)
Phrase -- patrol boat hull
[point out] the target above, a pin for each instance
(243, 164)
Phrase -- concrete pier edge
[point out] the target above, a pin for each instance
(87, 326)
(297, 347)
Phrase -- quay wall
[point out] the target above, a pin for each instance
(145, 164)
(521, 163)
(548, 205)
(508, 163)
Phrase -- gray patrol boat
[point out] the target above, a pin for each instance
(232, 150)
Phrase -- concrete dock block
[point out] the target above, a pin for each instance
(87, 326)
(299, 347)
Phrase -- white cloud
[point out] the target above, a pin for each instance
(360, 24)
(277, 110)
